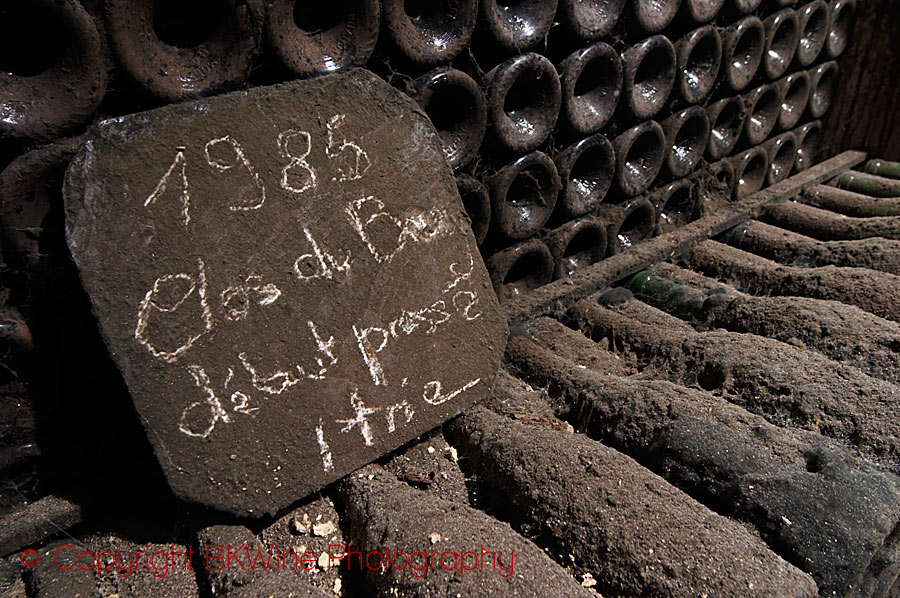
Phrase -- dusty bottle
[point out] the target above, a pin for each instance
(745, 6)
(591, 20)
(517, 26)
(828, 226)
(699, 56)
(576, 244)
(523, 195)
(822, 84)
(654, 15)
(677, 204)
(703, 11)
(843, 16)
(520, 268)
(715, 179)
(54, 69)
(628, 223)
(30, 197)
(808, 141)
(178, 51)
(763, 107)
(456, 105)
(782, 36)
(870, 184)
(726, 121)
(884, 168)
(591, 83)
(815, 22)
(743, 44)
(687, 133)
(317, 38)
(850, 202)
(649, 75)
(375, 501)
(841, 332)
(532, 467)
(639, 156)
(802, 389)
(875, 292)
(717, 452)
(782, 152)
(586, 170)
(523, 98)
(794, 90)
(788, 247)
(477, 201)
(430, 32)
(750, 170)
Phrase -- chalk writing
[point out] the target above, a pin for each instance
(320, 263)
(250, 200)
(372, 340)
(236, 299)
(178, 164)
(351, 164)
(297, 176)
(385, 235)
(168, 294)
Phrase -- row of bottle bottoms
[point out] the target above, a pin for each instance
(539, 220)
(173, 58)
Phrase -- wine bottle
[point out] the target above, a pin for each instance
(456, 105)
(603, 524)
(586, 170)
(731, 459)
(178, 51)
(791, 387)
(523, 195)
(875, 292)
(743, 43)
(870, 184)
(523, 99)
(430, 32)
(591, 84)
(640, 152)
(726, 121)
(815, 23)
(687, 133)
(520, 268)
(809, 137)
(649, 75)
(828, 226)
(699, 56)
(841, 332)
(822, 84)
(794, 89)
(55, 70)
(576, 245)
(850, 202)
(843, 16)
(789, 248)
(763, 107)
(750, 170)
(782, 153)
(313, 38)
(782, 36)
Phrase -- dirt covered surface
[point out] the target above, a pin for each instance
(871, 290)
(794, 249)
(842, 332)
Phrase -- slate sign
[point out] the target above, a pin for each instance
(287, 281)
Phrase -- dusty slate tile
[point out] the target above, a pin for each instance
(286, 279)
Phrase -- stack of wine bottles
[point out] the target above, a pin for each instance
(575, 128)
